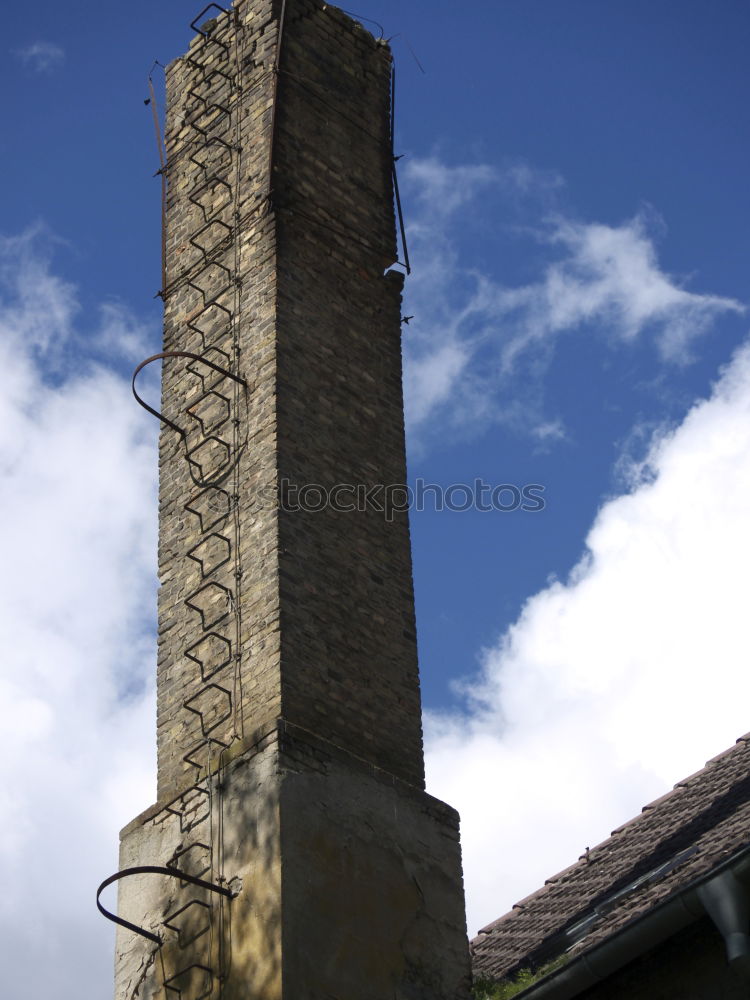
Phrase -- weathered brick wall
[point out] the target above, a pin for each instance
(218, 554)
(289, 731)
(346, 882)
(279, 227)
(349, 666)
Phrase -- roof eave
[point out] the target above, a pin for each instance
(643, 933)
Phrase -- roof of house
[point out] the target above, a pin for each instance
(676, 840)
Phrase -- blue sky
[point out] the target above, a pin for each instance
(574, 181)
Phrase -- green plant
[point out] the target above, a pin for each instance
(488, 989)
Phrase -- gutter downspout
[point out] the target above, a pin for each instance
(721, 894)
(724, 899)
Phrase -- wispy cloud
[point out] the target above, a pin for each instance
(616, 683)
(42, 57)
(608, 276)
(121, 334)
(472, 334)
(441, 190)
(77, 534)
(38, 307)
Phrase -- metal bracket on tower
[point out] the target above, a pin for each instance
(177, 354)
(153, 870)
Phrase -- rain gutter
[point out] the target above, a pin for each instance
(722, 894)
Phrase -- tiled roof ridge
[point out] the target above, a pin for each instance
(679, 788)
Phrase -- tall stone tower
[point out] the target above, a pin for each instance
(293, 852)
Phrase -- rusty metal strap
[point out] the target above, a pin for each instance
(153, 870)
(394, 159)
(163, 176)
(177, 354)
(369, 20)
(275, 97)
(194, 22)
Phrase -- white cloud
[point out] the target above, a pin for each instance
(42, 57)
(609, 276)
(550, 430)
(122, 335)
(77, 530)
(441, 190)
(472, 335)
(38, 307)
(615, 684)
(566, 733)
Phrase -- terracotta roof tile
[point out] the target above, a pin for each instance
(676, 839)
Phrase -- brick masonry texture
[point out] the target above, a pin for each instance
(279, 228)
(290, 762)
(334, 898)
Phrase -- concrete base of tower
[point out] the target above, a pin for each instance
(346, 884)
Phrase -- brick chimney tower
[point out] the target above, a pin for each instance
(293, 852)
